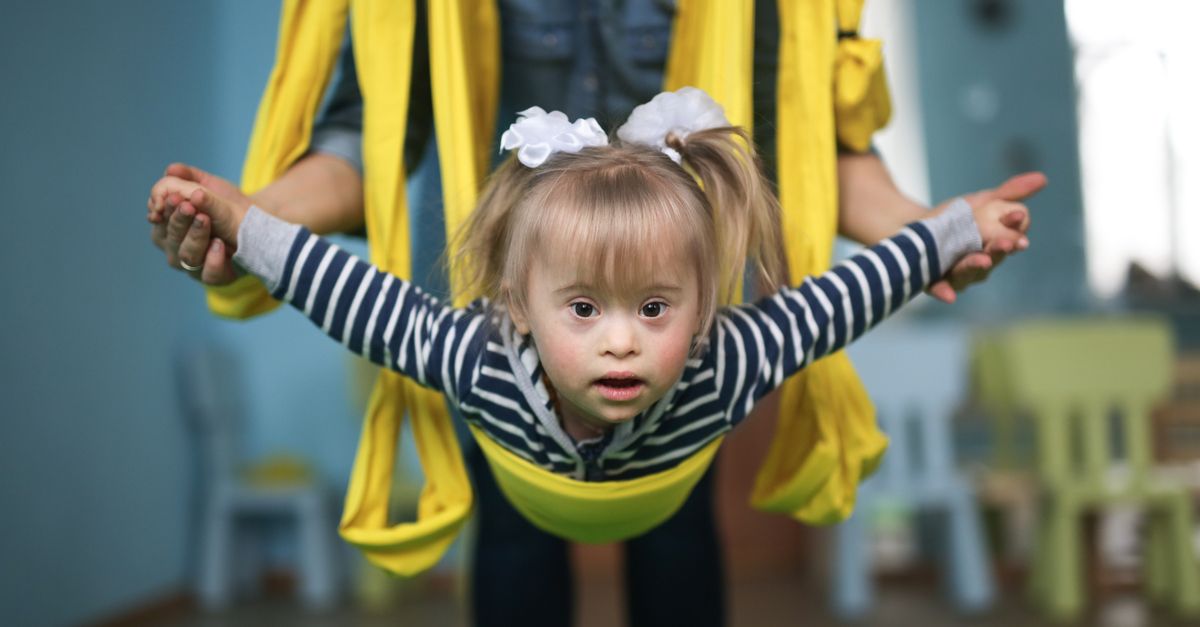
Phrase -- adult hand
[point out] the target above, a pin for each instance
(976, 267)
(186, 237)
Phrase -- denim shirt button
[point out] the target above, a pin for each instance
(550, 40)
(590, 82)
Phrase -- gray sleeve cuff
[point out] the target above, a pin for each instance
(341, 142)
(955, 232)
(263, 245)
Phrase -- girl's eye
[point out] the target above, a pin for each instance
(583, 310)
(653, 310)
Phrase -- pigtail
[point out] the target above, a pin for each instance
(478, 250)
(746, 210)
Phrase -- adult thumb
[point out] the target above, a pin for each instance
(187, 172)
(1016, 188)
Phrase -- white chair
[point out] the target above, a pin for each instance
(211, 391)
(915, 375)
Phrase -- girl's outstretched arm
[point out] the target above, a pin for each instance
(378, 315)
(384, 318)
(761, 344)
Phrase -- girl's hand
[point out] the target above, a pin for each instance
(222, 215)
(1014, 216)
(1002, 226)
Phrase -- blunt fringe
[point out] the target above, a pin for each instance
(621, 209)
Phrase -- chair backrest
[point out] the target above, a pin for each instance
(991, 392)
(916, 376)
(211, 395)
(1071, 375)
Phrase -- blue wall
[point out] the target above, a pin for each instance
(998, 98)
(98, 98)
(93, 448)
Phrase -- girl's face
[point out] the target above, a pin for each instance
(609, 356)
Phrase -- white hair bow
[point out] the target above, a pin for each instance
(680, 112)
(536, 135)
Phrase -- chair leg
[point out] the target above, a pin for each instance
(1036, 581)
(318, 579)
(1157, 562)
(1061, 558)
(1184, 573)
(968, 570)
(214, 579)
(852, 589)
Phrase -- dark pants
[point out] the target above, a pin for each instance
(522, 575)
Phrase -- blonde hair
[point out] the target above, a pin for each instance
(611, 206)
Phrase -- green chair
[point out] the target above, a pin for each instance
(1071, 377)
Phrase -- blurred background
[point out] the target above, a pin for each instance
(1045, 464)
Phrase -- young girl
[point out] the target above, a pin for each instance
(597, 349)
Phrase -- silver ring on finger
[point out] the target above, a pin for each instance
(190, 268)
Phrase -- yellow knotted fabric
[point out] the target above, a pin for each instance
(464, 58)
(310, 37)
(861, 99)
(382, 32)
(712, 48)
(826, 439)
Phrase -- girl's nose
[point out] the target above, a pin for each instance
(620, 339)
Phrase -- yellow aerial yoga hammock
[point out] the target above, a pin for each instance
(826, 438)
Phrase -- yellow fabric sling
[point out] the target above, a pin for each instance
(311, 34)
(601, 511)
(826, 439)
(310, 37)
(382, 32)
(463, 48)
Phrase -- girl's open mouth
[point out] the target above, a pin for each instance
(621, 389)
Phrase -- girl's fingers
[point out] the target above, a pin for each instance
(943, 291)
(224, 221)
(1013, 219)
(170, 185)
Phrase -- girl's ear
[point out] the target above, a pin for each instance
(520, 321)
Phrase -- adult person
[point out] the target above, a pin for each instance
(588, 59)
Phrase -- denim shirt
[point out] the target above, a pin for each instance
(587, 58)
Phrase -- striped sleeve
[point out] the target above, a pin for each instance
(758, 346)
(375, 314)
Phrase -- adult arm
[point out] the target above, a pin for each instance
(872, 208)
(323, 190)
